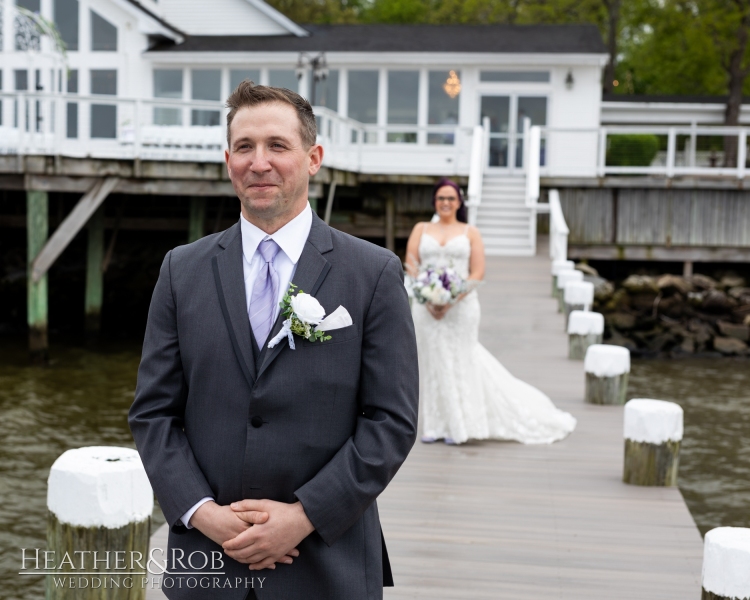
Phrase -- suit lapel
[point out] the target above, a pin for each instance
(312, 269)
(230, 285)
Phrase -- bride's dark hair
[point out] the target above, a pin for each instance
(461, 213)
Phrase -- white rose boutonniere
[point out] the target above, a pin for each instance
(305, 317)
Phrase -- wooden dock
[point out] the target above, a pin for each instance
(501, 520)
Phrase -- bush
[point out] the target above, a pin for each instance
(631, 150)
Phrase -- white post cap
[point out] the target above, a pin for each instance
(583, 322)
(579, 292)
(99, 486)
(562, 265)
(604, 360)
(653, 421)
(564, 277)
(726, 556)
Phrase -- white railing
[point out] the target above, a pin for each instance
(640, 150)
(533, 158)
(476, 172)
(558, 228)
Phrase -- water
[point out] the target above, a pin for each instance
(83, 397)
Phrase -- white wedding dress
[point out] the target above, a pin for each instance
(465, 393)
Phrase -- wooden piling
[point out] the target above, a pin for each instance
(37, 228)
(577, 295)
(94, 273)
(197, 222)
(563, 277)
(653, 434)
(726, 556)
(557, 267)
(585, 329)
(100, 503)
(607, 368)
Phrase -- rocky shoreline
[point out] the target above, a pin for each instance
(674, 316)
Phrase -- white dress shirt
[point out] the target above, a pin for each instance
(291, 238)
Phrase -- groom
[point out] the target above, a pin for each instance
(267, 462)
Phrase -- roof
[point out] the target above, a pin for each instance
(157, 18)
(669, 99)
(569, 39)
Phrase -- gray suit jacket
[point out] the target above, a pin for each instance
(327, 424)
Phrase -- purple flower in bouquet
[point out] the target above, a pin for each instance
(438, 286)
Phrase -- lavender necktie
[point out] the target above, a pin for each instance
(265, 293)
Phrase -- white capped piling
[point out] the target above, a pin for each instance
(726, 564)
(99, 500)
(653, 433)
(577, 295)
(584, 329)
(607, 369)
(558, 266)
(563, 278)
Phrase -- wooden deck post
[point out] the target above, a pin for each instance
(94, 273)
(607, 369)
(584, 329)
(726, 555)
(37, 229)
(577, 295)
(197, 223)
(563, 277)
(390, 223)
(653, 434)
(557, 267)
(100, 503)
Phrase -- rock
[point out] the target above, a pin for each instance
(687, 346)
(587, 269)
(643, 301)
(662, 341)
(673, 306)
(734, 330)
(672, 284)
(620, 320)
(640, 283)
(696, 298)
(747, 320)
(617, 339)
(703, 331)
(703, 282)
(603, 290)
(717, 302)
(732, 281)
(727, 345)
(739, 293)
(619, 301)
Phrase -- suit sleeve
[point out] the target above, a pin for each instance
(386, 430)
(156, 416)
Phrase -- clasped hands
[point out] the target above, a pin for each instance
(437, 311)
(259, 533)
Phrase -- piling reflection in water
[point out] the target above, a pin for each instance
(83, 397)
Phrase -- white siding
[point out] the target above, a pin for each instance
(218, 17)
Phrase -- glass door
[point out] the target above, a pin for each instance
(535, 109)
(497, 109)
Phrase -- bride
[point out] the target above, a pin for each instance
(464, 391)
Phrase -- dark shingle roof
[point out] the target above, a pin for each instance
(584, 39)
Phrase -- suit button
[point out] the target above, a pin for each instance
(256, 421)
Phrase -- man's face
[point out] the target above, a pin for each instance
(267, 161)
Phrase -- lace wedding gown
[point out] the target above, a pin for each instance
(465, 392)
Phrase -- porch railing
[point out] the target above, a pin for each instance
(558, 228)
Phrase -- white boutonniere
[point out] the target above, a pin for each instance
(305, 317)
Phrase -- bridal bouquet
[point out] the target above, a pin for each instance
(438, 286)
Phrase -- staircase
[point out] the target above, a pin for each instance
(507, 225)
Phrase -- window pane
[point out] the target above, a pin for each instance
(206, 84)
(66, 19)
(326, 92)
(442, 109)
(284, 78)
(103, 34)
(403, 97)
(534, 108)
(27, 38)
(103, 121)
(73, 81)
(32, 5)
(21, 77)
(205, 118)
(167, 116)
(237, 76)
(497, 109)
(515, 76)
(104, 82)
(168, 83)
(363, 96)
(72, 120)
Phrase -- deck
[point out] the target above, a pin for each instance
(501, 520)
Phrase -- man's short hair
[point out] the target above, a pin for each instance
(248, 94)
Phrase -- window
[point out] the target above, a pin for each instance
(497, 109)
(237, 76)
(104, 116)
(403, 104)
(326, 91)
(515, 76)
(443, 95)
(103, 34)
(1, 102)
(206, 85)
(167, 84)
(66, 19)
(27, 38)
(284, 78)
(21, 84)
(363, 96)
(535, 108)
(72, 107)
